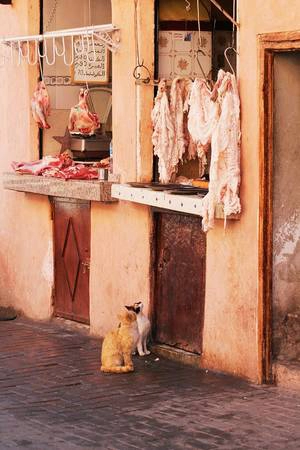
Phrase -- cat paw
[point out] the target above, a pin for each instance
(142, 353)
(147, 352)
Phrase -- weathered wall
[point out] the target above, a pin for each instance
(231, 320)
(26, 269)
(286, 207)
(120, 250)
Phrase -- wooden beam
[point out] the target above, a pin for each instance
(217, 5)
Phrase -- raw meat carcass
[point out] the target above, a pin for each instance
(38, 167)
(74, 172)
(202, 120)
(40, 105)
(81, 120)
(224, 175)
(163, 137)
(61, 166)
(179, 105)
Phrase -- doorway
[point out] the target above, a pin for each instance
(179, 281)
(286, 209)
(72, 236)
(279, 238)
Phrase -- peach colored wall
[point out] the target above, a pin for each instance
(231, 315)
(121, 233)
(120, 248)
(26, 273)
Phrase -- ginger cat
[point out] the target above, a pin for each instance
(118, 345)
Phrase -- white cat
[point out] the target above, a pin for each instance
(144, 327)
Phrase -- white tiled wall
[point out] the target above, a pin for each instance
(178, 54)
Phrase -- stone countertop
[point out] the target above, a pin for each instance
(99, 191)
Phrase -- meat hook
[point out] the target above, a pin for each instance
(137, 72)
(72, 52)
(226, 57)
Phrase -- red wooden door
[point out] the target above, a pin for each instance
(72, 226)
(180, 282)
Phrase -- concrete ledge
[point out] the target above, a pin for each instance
(99, 191)
(175, 354)
(287, 375)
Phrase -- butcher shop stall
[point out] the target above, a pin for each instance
(128, 163)
(169, 147)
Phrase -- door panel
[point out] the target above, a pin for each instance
(180, 281)
(72, 256)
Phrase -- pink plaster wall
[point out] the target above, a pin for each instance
(26, 267)
(121, 233)
(120, 255)
(231, 315)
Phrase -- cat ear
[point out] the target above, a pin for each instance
(129, 308)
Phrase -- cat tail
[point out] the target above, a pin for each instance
(117, 369)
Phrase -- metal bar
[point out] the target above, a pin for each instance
(61, 33)
(217, 5)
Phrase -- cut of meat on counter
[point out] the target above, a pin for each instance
(81, 120)
(61, 166)
(39, 166)
(40, 105)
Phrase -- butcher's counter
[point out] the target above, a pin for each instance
(95, 190)
(108, 191)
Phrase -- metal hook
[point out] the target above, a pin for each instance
(63, 47)
(137, 73)
(79, 44)
(199, 63)
(93, 49)
(53, 53)
(72, 52)
(226, 57)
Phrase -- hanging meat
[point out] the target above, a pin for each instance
(163, 137)
(40, 105)
(81, 120)
(224, 174)
(202, 120)
(179, 105)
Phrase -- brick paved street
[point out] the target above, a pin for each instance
(53, 396)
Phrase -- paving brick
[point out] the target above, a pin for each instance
(53, 396)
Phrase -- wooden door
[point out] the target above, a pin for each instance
(180, 281)
(72, 226)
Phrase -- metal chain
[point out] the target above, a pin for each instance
(51, 15)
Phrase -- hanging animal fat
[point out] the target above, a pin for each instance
(81, 120)
(163, 137)
(40, 105)
(202, 119)
(224, 174)
(179, 104)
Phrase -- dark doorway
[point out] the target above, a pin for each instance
(72, 229)
(179, 281)
(286, 208)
